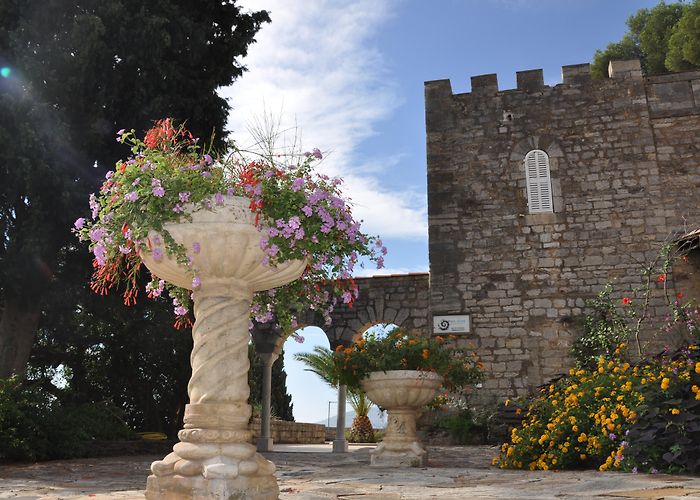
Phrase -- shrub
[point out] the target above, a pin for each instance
(36, 425)
(399, 350)
(614, 417)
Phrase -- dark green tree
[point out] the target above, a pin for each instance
(684, 44)
(280, 401)
(74, 73)
(648, 39)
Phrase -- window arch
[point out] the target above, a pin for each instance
(538, 182)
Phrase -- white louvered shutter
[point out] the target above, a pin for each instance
(539, 184)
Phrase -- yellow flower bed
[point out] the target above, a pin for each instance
(583, 420)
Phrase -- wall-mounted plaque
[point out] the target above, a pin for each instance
(451, 324)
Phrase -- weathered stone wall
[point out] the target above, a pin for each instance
(398, 299)
(282, 431)
(625, 175)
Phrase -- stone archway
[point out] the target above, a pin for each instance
(401, 299)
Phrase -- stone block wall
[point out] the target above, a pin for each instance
(393, 299)
(285, 432)
(625, 177)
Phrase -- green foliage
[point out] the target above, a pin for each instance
(467, 426)
(320, 362)
(36, 424)
(684, 42)
(605, 328)
(667, 434)
(360, 403)
(649, 38)
(280, 401)
(644, 418)
(623, 50)
(79, 71)
(398, 350)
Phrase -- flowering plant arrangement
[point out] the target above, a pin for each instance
(614, 416)
(300, 215)
(398, 350)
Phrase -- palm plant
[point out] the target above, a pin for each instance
(320, 362)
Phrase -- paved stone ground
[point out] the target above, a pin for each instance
(461, 472)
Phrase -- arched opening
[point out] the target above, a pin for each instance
(314, 400)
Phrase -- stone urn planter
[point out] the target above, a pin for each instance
(214, 458)
(403, 393)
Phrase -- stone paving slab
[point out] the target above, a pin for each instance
(454, 473)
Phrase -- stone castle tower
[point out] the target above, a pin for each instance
(539, 196)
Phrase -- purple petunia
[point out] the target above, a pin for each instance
(132, 196)
(157, 254)
(196, 282)
(158, 191)
(100, 253)
(196, 247)
(79, 223)
(184, 196)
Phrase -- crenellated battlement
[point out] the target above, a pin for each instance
(532, 80)
(662, 95)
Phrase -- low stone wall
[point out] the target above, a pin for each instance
(282, 431)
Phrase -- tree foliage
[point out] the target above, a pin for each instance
(665, 38)
(77, 72)
(280, 401)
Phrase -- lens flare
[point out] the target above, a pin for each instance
(5, 72)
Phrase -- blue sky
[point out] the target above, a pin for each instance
(348, 78)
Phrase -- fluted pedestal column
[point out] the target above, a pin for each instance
(215, 458)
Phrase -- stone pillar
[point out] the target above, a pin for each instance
(268, 345)
(265, 441)
(340, 444)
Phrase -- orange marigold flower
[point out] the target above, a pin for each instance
(425, 354)
(665, 382)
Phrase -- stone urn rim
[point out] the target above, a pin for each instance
(231, 222)
(403, 374)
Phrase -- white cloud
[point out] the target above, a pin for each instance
(368, 273)
(315, 65)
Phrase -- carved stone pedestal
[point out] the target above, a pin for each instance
(403, 393)
(214, 458)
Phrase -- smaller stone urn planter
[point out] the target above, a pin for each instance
(403, 393)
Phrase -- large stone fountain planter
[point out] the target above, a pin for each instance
(403, 393)
(214, 458)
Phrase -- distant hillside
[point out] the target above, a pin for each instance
(377, 418)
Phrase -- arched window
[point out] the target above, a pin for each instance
(539, 184)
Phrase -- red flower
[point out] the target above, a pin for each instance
(661, 278)
(626, 301)
(680, 295)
